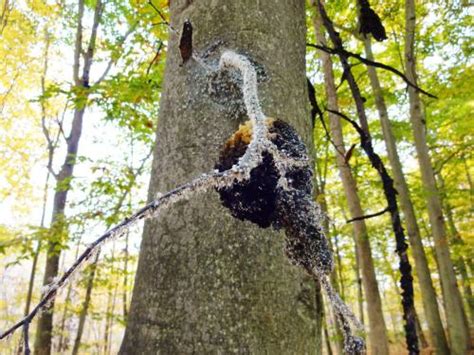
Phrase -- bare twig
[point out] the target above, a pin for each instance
(155, 58)
(351, 121)
(10, 88)
(78, 43)
(163, 18)
(317, 111)
(50, 146)
(113, 60)
(99, 8)
(6, 11)
(347, 54)
(367, 216)
(60, 125)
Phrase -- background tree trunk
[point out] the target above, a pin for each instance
(428, 294)
(377, 330)
(456, 240)
(455, 315)
(45, 323)
(85, 305)
(206, 282)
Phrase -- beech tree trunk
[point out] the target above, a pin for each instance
(320, 196)
(207, 283)
(455, 314)
(456, 240)
(428, 294)
(63, 179)
(377, 330)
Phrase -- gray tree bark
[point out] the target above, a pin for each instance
(45, 322)
(377, 330)
(456, 240)
(428, 294)
(206, 282)
(455, 315)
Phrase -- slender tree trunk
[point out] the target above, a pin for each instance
(319, 319)
(46, 183)
(360, 296)
(93, 268)
(456, 317)
(377, 329)
(31, 283)
(85, 305)
(125, 279)
(328, 341)
(423, 342)
(45, 323)
(205, 281)
(106, 336)
(457, 240)
(341, 287)
(471, 185)
(428, 293)
(362, 128)
(63, 337)
(320, 195)
(319, 309)
(111, 319)
(111, 296)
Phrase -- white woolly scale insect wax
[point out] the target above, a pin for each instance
(273, 197)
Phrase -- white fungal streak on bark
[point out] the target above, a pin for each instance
(215, 179)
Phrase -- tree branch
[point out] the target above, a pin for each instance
(367, 216)
(112, 61)
(89, 54)
(372, 63)
(351, 121)
(50, 146)
(163, 18)
(155, 58)
(78, 45)
(317, 111)
(201, 183)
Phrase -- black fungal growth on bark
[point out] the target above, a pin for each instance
(263, 201)
(369, 22)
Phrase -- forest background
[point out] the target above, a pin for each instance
(113, 82)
